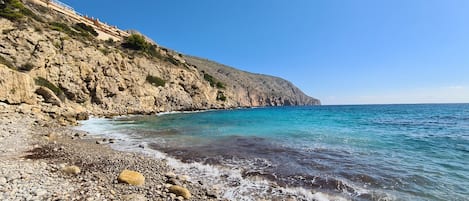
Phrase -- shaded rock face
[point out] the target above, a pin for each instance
(49, 96)
(103, 79)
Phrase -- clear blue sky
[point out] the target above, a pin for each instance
(340, 51)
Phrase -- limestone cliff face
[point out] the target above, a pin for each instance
(250, 89)
(102, 78)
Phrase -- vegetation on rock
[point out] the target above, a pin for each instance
(6, 63)
(79, 30)
(213, 81)
(155, 81)
(14, 10)
(221, 96)
(40, 81)
(139, 43)
(83, 28)
(136, 42)
(26, 67)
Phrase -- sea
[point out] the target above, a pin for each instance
(349, 152)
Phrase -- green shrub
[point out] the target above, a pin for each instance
(214, 82)
(40, 81)
(172, 60)
(110, 42)
(82, 31)
(84, 28)
(155, 81)
(210, 79)
(220, 85)
(6, 63)
(14, 10)
(62, 27)
(26, 67)
(139, 43)
(136, 42)
(105, 51)
(221, 96)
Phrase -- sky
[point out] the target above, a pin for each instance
(340, 51)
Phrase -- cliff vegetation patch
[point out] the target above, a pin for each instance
(6, 63)
(221, 96)
(139, 43)
(79, 30)
(84, 28)
(155, 81)
(214, 82)
(26, 67)
(40, 81)
(14, 10)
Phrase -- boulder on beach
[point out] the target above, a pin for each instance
(71, 169)
(131, 177)
(180, 191)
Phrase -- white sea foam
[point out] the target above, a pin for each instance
(228, 181)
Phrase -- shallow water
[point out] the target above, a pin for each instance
(366, 152)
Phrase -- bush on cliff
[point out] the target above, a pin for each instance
(6, 63)
(85, 29)
(213, 81)
(79, 31)
(26, 67)
(221, 96)
(14, 10)
(136, 42)
(62, 27)
(40, 81)
(155, 81)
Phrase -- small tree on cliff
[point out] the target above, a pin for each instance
(136, 42)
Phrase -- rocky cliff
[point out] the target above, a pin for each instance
(48, 62)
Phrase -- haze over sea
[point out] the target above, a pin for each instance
(358, 152)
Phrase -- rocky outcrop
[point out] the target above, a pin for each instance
(89, 76)
(16, 87)
(49, 96)
(253, 89)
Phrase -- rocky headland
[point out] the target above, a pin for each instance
(60, 64)
(57, 67)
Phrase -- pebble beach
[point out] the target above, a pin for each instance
(42, 160)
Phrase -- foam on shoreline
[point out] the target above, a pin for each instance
(228, 181)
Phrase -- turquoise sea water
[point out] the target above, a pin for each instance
(365, 152)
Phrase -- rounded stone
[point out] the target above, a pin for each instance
(131, 177)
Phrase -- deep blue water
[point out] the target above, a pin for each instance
(363, 152)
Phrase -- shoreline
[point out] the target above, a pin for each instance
(35, 151)
(230, 182)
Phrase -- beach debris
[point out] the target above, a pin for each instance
(71, 169)
(180, 191)
(131, 177)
